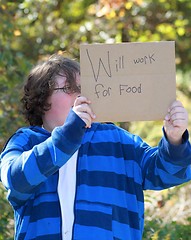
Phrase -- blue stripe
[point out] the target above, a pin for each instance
(102, 135)
(155, 182)
(43, 210)
(19, 181)
(108, 196)
(50, 197)
(185, 172)
(111, 164)
(123, 231)
(21, 236)
(70, 134)
(175, 154)
(31, 167)
(48, 237)
(103, 163)
(117, 213)
(91, 233)
(177, 171)
(122, 215)
(110, 180)
(168, 167)
(104, 220)
(114, 149)
(15, 202)
(48, 226)
(96, 206)
(59, 158)
(95, 219)
(44, 160)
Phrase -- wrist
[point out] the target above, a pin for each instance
(173, 139)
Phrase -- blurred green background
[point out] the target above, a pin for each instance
(31, 30)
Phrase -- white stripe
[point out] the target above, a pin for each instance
(66, 193)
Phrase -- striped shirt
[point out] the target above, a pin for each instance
(114, 167)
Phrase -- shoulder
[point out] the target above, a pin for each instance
(27, 136)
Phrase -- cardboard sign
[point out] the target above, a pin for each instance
(129, 81)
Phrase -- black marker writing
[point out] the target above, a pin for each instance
(108, 72)
(100, 90)
(119, 63)
(129, 89)
(105, 91)
(146, 59)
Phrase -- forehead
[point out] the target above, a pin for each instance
(60, 80)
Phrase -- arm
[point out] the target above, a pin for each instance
(26, 164)
(170, 163)
(167, 165)
(27, 161)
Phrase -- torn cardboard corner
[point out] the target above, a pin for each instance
(129, 81)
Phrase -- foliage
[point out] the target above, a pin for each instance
(155, 230)
(32, 29)
(168, 214)
(6, 229)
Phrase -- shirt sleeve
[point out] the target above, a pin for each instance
(166, 165)
(25, 164)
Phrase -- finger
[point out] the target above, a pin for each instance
(177, 110)
(86, 118)
(86, 109)
(165, 124)
(175, 107)
(167, 117)
(80, 100)
(176, 103)
(179, 123)
(177, 120)
(83, 101)
(178, 115)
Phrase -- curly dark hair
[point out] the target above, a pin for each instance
(41, 82)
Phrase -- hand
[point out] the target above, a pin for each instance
(82, 109)
(176, 122)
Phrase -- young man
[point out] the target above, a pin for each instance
(69, 177)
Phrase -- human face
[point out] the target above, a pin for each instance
(61, 104)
